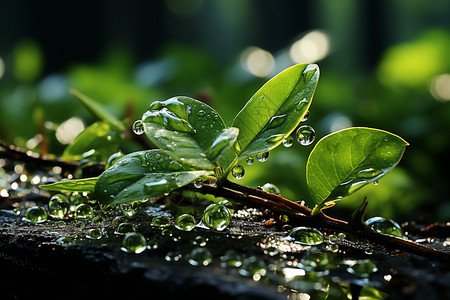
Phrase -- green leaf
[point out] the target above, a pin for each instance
(189, 131)
(275, 110)
(97, 142)
(98, 110)
(345, 161)
(77, 185)
(142, 175)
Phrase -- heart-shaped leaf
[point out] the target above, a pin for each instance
(345, 161)
(275, 110)
(189, 131)
(142, 175)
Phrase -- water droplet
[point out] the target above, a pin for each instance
(305, 117)
(271, 188)
(262, 157)
(301, 104)
(200, 257)
(216, 216)
(288, 142)
(306, 236)
(198, 183)
(185, 222)
(113, 158)
(124, 228)
(129, 209)
(368, 251)
(94, 234)
(161, 221)
(275, 121)
(305, 135)
(253, 267)
(250, 160)
(376, 182)
(385, 226)
(138, 127)
(134, 243)
(342, 235)
(201, 113)
(238, 171)
(58, 206)
(173, 256)
(84, 211)
(230, 259)
(35, 214)
(362, 268)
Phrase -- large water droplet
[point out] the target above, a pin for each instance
(134, 243)
(94, 234)
(305, 117)
(161, 221)
(271, 188)
(35, 214)
(262, 157)
(238, 171)
(138, 127)
(305, 135)
(306, 236)
(385, 226)
(253, 267)
(124, 228)
(250, 160)
(84, 211)
(216, 217)
(58, 206)
(185, 222)
(276, 121)
(200, 257)
(301, 104)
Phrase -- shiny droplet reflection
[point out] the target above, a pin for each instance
(200, 257)
(138, 127)
(305, 135)
(58, 206)
(134, 243)
(262, 157)
(35, 214)
(385, 226)
(216, 217)
(238, 171)
(306, 236)
(185, 222)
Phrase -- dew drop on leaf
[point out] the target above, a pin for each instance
(262, 157)
(134, 243)
(138, 127)
(238, 171)
(288, 142)
(306, 236)
(305, 117)
(250, 160)
(385, 226)
(198, 183)
(113, 158)
(305, 135)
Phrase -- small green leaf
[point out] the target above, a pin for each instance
(345, 161)
(275, 110)
(189, 131)
(76, 185)
(142, 175)
(97, 142)
(98, 110)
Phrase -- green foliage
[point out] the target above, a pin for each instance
(189, 131)
(144, 174)
(195, 143)
(275, 110)
(345, 161)
(79, 185)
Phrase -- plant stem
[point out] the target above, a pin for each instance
(302, 215)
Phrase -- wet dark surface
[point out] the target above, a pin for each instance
(35, 262)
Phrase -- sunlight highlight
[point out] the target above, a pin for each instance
(257, 61)
(310, 48)
(440, 87)
(68, 130)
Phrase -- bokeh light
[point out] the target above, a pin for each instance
(440, 87)
(312, 47)
(68, 130)
(257, 61)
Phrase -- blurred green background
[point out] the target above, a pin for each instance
(384, 64)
